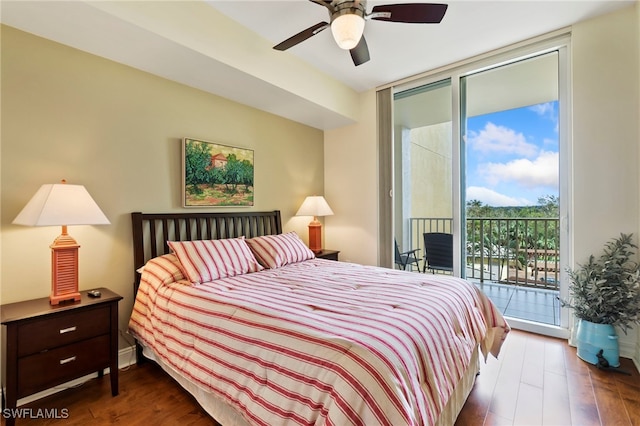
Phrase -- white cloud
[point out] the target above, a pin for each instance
(501, 139)
(545, 110)
(548, 111)
(492, 198)
(543, 171)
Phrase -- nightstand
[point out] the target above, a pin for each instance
(328, 254)
(48, 345)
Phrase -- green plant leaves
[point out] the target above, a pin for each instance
(606, 290)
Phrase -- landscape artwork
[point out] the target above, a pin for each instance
(216, 175)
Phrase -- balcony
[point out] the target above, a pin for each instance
(515, 261)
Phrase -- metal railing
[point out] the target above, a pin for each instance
(518, 251)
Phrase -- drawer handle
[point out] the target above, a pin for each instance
(68, 330)
(67, 360)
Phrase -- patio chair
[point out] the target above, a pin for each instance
(406, 258)
(438, 252)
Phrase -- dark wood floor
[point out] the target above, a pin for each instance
(540, 381)
(536, 381)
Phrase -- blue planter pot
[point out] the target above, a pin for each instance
(591, 338)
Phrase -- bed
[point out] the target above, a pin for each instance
(260, 332)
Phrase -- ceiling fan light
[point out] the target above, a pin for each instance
(347, 30)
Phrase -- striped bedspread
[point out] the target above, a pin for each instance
(321, 342)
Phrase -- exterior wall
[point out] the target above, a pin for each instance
(116, 130)
(431, 168)
(423, 184)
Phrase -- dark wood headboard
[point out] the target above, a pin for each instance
(151, 231)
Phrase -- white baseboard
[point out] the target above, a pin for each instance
(626, 349)
(126, 357)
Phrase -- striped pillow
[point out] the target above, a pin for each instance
(208, 260)
(162, 270)
(273, 251)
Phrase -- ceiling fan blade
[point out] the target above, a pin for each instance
(411, 13)
(302, 36)
(325, 3)
(360, 53)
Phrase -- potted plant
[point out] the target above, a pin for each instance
(605, 293)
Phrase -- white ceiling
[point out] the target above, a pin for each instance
(197, 55)
(469, 27)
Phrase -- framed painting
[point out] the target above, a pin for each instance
(216, 175)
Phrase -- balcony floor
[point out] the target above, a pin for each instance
(531, 304)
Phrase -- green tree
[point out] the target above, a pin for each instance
(550, 205)
(233, 171)
(197, 161)
(476, 208)
(246, 174)
(498, 231)
(217, 175)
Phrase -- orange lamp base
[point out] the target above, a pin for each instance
(315, 236)
(64, 269)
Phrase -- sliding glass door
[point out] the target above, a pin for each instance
(423, 164)
(510, 129)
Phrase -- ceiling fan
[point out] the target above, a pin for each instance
(347, 20)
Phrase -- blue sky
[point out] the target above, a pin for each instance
(512, 156)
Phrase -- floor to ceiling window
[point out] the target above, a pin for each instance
(482, 152)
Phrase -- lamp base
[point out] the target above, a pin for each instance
(57, 299)
(64, 269)
(315, 236)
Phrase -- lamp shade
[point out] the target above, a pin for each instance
(347, 30)
(314, 205)
(61, 204)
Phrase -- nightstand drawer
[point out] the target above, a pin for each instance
(70, 327)
(49, 368)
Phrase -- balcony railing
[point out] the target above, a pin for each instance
(518, 251)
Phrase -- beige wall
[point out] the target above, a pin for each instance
(605, 130)
(351, 186)
(606, 136)
(606, 107)
(116, 130)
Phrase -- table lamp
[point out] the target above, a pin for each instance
(315, 206)
(62, 205)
